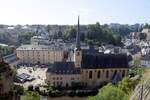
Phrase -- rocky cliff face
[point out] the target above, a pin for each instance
(6, 81)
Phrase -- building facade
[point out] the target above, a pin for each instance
(39, 40)
(93, 72)
(145, 60)
(89, 68)
(41, 50)
(40, 54)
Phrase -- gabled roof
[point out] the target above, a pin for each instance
(97, 60)
(64, 68)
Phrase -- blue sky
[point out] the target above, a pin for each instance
(66, 11)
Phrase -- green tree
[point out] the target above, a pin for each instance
(59, 34)
(146, 25)
(25, 37)
(110, 92)
(102, 35)
(5, 50)
(48, 28)
(14, 71)
(31, 96)
(70, 33)
(137, 70)
(20, 89)
(127, 85)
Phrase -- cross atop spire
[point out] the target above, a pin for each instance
(78, 35)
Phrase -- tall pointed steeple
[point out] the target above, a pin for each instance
(78, 51)
(78, 36)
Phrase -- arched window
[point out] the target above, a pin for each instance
(107, 74)
(90, 74)
(123, 73)
(53, 83)
(67, 84)
(99, 74)
(78, 53)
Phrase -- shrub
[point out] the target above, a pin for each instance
(127, 85)
(110, 92)
(30, 88)
(20, 90)
(37, 89)
(31, 96)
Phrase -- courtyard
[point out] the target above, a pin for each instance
(37, 74)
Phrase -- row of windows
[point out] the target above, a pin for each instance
(23, 52)
(39, 57)
(66, 71)
(57, 83)
(57, 78)
(60, 78)
(106, 75)
(105, 70)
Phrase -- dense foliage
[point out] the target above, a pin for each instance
(5, 50)
(146, 26)
(70, 33)
(107, 34)
(120, 91)
(31, 96)
(136, 69)
(102, 35)
(25, 37)
(110, 92)
(96, 33)
(127, 85)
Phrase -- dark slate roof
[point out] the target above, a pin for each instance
(98, 60)
(89, 51)
(64, 68)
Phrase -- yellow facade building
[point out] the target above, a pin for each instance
(95, 70)
(39, 54)
(90, 68)
(41, 50)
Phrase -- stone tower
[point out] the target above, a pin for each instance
(77, 51)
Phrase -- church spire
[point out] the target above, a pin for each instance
(78, 36)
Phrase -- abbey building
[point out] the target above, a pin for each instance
(89, 68)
